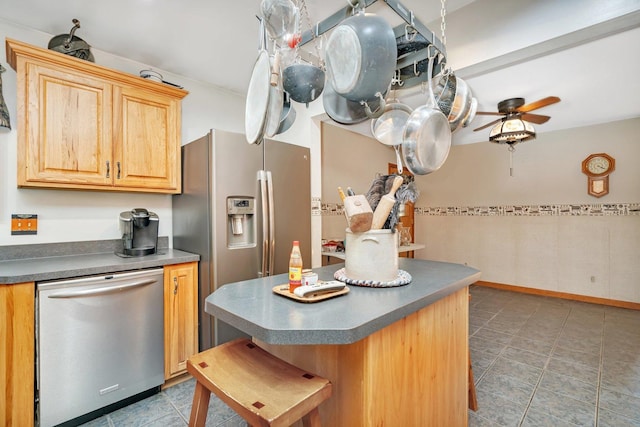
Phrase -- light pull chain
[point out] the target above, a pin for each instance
(511, 150)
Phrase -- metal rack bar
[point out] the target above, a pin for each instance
(404, 13)
(330, 22)
(410, 20)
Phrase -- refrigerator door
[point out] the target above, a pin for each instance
(222, 165)
(291, 176)
(193, 225)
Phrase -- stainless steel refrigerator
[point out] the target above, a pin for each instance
(241, 208)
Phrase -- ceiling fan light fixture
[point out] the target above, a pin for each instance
(512, 130)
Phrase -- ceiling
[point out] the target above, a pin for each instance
(502, 49)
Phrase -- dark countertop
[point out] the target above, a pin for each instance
(38, 266)
(252, 307)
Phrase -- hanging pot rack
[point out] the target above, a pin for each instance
(412, 27)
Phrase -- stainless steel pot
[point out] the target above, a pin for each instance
(427, 136)
(461, 104)
(454, 98)
(471, 114)
(361, 56)
(288, 115)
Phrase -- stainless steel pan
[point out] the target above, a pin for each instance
(427, 135)
(389, 127)
(257, 103)
(345, 111)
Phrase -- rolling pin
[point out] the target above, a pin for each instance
(359, 213)
(385, 205)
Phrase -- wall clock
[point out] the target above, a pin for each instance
(597, 167)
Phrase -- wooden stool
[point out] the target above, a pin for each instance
(473, 399)
(261, 388)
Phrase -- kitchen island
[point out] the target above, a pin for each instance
(395, 356)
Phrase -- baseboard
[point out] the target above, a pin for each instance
(562, 295)
(176, 380)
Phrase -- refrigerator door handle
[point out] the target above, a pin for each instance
(272, 226)
(264, 264)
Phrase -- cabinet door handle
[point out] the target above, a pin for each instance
(108, 168)
(118, 164)
(175, 285)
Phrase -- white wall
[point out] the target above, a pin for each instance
(572, 247)
(65, 216)
(585, 253)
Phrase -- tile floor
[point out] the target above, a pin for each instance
(537, 361)
(542, 361)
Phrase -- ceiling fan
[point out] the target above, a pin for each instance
(515, 125)
(514, 109)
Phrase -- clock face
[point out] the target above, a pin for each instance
(598, 165)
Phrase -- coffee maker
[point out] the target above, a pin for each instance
(139, 229)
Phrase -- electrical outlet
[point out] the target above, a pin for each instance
(24, 224)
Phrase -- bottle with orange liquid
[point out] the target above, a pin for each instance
(295, 267)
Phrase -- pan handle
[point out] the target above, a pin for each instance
(378, 111)
(76, 25)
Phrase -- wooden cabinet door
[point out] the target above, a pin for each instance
(17, 354)
(180, 317)
(85, 126)
(147, 139)
(67, 135)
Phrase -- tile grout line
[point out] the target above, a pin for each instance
(176, 409)
(600, 369)
(477, 381)
(500, 353)
(544, 368)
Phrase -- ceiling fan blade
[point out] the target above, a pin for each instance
(535, 118)
(487, 125)
(538, 104)
(489, 113)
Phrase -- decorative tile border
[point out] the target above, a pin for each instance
(604, 209)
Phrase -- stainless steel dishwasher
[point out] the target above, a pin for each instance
(99, 341)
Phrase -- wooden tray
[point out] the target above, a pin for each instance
(284, 291)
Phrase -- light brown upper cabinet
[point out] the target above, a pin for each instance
(85, 126)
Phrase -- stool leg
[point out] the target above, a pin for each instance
(200, 406)
(473, 399)
(312, 419)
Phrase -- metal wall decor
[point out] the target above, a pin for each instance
(5, 122)
(72, 45)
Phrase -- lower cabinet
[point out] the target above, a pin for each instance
(180, 317)
(17, 354)
(17, 338)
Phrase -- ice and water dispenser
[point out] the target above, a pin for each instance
(241, 222)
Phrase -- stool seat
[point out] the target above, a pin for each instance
(261, 388)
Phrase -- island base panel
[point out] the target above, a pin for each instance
(411, 373)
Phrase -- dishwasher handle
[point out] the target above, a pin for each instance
(102, 291)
